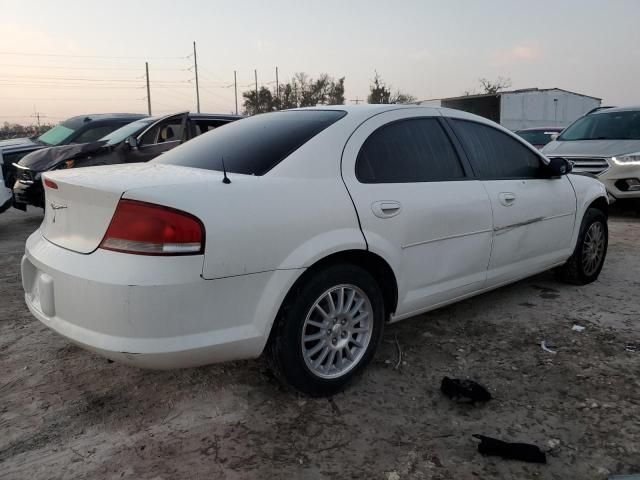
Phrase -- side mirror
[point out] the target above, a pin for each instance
(557, 167)
(132, 142)
(554, 136)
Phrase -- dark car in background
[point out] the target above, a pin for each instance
(539, 137)
(80, 129)
(138, 141)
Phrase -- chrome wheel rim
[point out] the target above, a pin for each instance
(337, 331)
(593, 248)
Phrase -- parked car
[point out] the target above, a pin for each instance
(80, 129)
(605, 143)
(6, 197)
(539, 137)
(139, 141)
(300, 234)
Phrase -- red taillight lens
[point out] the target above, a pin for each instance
(148, 229)
(50, 184)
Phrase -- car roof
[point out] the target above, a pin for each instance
(616, 109)
(541, 129)
(198, 116)
(92, 117)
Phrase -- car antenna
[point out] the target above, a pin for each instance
(225, 180)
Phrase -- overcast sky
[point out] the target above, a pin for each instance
(95, 50)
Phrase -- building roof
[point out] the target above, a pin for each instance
(502, 92)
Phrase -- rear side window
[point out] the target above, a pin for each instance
(413, 150)
(495, 154)
(203, 126)
(253, 145)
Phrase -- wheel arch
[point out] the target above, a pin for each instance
(377, 267)
(601, 204)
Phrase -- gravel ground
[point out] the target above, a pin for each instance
(66, 413)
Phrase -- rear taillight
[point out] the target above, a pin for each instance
(50, 184)
(148, 229)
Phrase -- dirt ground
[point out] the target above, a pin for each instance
(66, 413)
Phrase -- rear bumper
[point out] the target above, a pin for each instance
(149, 313)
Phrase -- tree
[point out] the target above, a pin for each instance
(494, 86)
(490, 86)
(301, 91)
(263, 103)
(379, 93)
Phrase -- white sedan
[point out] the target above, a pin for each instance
(299, 234)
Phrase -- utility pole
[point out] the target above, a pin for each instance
(146, 66)
(235, 87)
(36, 115)
(195, 64)
(357, 100)
(277, 85)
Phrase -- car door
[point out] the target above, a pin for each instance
(418, 207)
(533, 216)
(159, 137)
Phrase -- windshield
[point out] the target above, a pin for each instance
(121, 134)
(56, 135)
(254, 145)
(605, 126)
(536, 137)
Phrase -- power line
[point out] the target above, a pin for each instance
(90, 67)
(92, 56)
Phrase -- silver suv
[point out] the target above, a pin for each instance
(605, 143)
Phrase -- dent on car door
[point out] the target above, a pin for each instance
(418, 207)
(533, 216)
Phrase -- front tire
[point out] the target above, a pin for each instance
(587, 260)
(328, 330)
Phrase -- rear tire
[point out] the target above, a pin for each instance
(327, 330)
(587, 260)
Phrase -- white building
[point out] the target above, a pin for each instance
(531, 107)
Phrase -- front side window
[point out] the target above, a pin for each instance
(495, 154)
(413, 150)
(168, 131)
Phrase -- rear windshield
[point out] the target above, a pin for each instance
(536, 137)
(254, 145)
(623, 125)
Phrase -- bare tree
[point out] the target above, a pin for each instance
(494, 86)
(489, 86)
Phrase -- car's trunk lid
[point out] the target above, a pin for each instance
(79, 210)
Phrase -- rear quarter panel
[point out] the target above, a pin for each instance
(258, 224)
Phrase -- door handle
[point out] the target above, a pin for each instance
(507, 198)
(386, 208)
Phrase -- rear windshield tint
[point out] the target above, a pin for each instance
(254, 145)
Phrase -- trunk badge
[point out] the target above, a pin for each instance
(55, 207)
